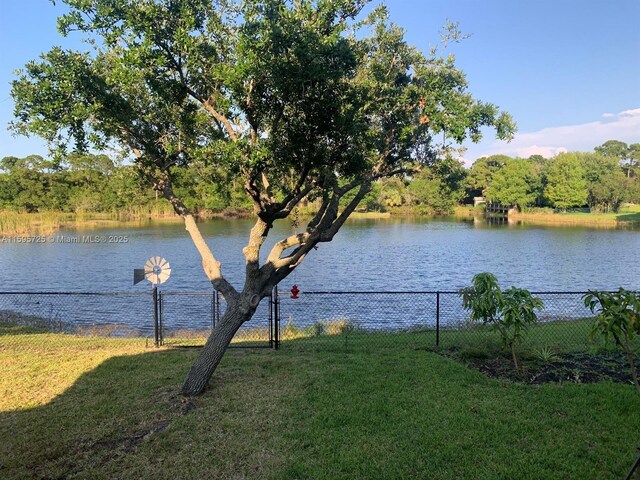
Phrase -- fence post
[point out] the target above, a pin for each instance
(271, 319)
(437, 319)
(276, 319)
(156, 338)
(214, 295)
(160, 320)
(217, 317)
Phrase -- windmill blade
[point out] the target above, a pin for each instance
(150, 276)
(165, 274)
(157, 270)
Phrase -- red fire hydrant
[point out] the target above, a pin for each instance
(294, 291)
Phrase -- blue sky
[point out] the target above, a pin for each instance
(567, 70)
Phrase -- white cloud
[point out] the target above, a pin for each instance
(545, 151)
(623, 126)
(630, 113)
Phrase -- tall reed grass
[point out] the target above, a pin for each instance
(44, 223)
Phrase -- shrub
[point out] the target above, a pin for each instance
(618, 316)
(509, 313)
(546, 355)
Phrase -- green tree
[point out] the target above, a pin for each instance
(516, 183)
(482, 172)
(625, 154)
(393, 192)
(26, 182)
(539, 165)
(613, 148)
(606, 184)
(130, 191)
(370, 202)
(438, 188)
(632, 190)
(633, 155)
(8, 191)
(295, 99)
(88, 178)
(565, 183)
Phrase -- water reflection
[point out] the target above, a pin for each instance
(367, 254)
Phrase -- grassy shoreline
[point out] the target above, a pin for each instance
(45, 223)
(626, 217)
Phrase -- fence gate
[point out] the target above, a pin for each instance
(187, 318)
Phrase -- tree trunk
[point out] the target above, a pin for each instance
(632, 365)
(514, 357)
(212, 352)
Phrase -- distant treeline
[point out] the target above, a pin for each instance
(602, 180)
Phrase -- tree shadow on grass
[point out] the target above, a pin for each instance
(125, 418)
(110, 408)
(629, 217)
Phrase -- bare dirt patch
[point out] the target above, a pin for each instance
(570, 367)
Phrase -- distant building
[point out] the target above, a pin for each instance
(497, 209)
(478, 200)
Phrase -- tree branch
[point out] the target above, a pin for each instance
(210, 264)
(279, 248)
(322, 228)
(328, 234)
(283, 209)
(208, 105)
(251, 253)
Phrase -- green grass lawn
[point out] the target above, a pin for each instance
(74, 407)
(627, 216)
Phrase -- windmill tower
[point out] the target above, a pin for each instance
(157, 271)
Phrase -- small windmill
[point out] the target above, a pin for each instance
(157, 270)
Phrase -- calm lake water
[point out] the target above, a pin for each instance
(382, 254)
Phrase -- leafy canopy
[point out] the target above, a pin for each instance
(295, 96)
(566, 186)
(516, 183)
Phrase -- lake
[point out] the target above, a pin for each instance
(382, 254)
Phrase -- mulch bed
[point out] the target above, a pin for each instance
(571, 367)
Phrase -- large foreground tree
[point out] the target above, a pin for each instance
(302, 99)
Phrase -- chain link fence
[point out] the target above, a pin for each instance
(425, 319)
(175, 319)
(187, 319)
(323, 320)
(80, 313)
